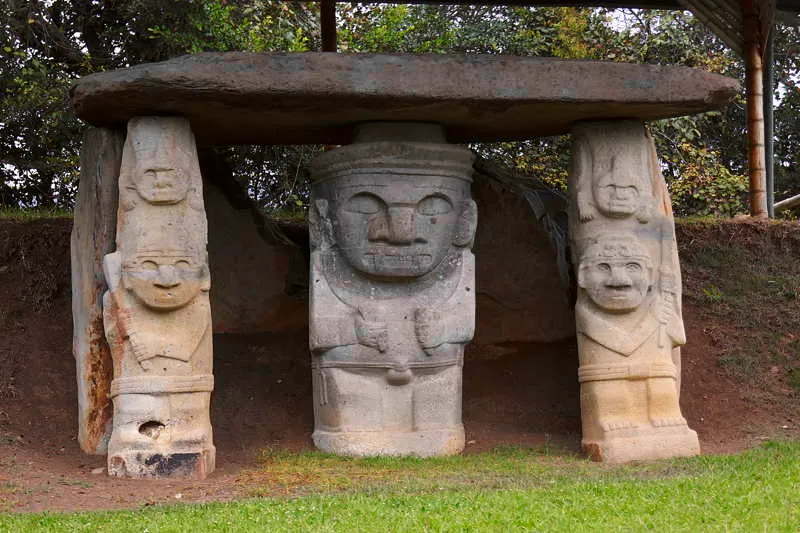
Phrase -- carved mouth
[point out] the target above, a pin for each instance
(623, 204)
(620, 292)
(399, 260)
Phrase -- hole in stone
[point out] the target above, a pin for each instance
(151, 429)
(116, 466)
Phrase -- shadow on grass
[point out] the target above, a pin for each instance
(299, 474)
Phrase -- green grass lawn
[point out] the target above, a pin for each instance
(26, 215)
(509, 490)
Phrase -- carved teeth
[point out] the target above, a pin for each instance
(399, 260)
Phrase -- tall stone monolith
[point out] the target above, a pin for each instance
(392, 292)
(156, 311)
(628, 309)
(93, 235)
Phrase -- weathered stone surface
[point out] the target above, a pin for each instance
(248, 98)
(156, 310)
(243, 298)
(520, 296)
(392, 292)
(93, 232)
(628, 311)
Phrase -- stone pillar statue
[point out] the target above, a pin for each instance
(156, 312)
(628, 310)
(392, 292)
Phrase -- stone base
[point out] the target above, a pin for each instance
(639, 444)
(423, 443)
(194, 464)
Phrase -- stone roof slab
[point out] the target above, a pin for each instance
(315, 97)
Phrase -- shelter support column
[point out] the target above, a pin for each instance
(628, 311)
(754, 41)
(156, 310)
(93, 232)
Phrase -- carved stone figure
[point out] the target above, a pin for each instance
(619, 181)
(156, 312)
(392, 292)
(628, 310)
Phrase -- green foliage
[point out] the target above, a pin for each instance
(45, 44)
(703, 186)
(235, 26)
(712, 294)
(545, 158)
(28, 214)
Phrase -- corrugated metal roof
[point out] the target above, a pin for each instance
(723, 17)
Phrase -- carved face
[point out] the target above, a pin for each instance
(397, 226)
(619, 184)
(616, 283)
(165, 281)
(162, 184)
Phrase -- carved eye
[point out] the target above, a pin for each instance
(183, 264)
(365, 204)
(149, 265)
(605, 165)
(633, 267)
(604, 267)
(434, 205)
(150, 174)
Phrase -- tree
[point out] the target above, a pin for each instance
(46, 44)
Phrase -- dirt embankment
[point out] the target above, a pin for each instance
(741, 372)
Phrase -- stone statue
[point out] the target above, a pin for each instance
(156, 311)
(628, 310)
(392, 292)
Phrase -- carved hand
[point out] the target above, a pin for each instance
(667, 282)
(669, 310)
(372, 334)
(139, 352)
(430, 328)
(646, 211)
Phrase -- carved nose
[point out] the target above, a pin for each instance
(167, 277)
(619, 278)
(163, 180)
(402, 229)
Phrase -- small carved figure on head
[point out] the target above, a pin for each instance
(159, 163)
(613, 174)
(618, 188)
(616, 273)
(162, 184)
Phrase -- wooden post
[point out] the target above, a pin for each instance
(328, 25)
(769, 121)
(754, 81)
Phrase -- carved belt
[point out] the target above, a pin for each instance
(388, 365)
(161, 384)
(601, 372)
(396, 373)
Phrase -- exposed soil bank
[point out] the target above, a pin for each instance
(741, 372)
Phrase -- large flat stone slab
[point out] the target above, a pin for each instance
(250, 98)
